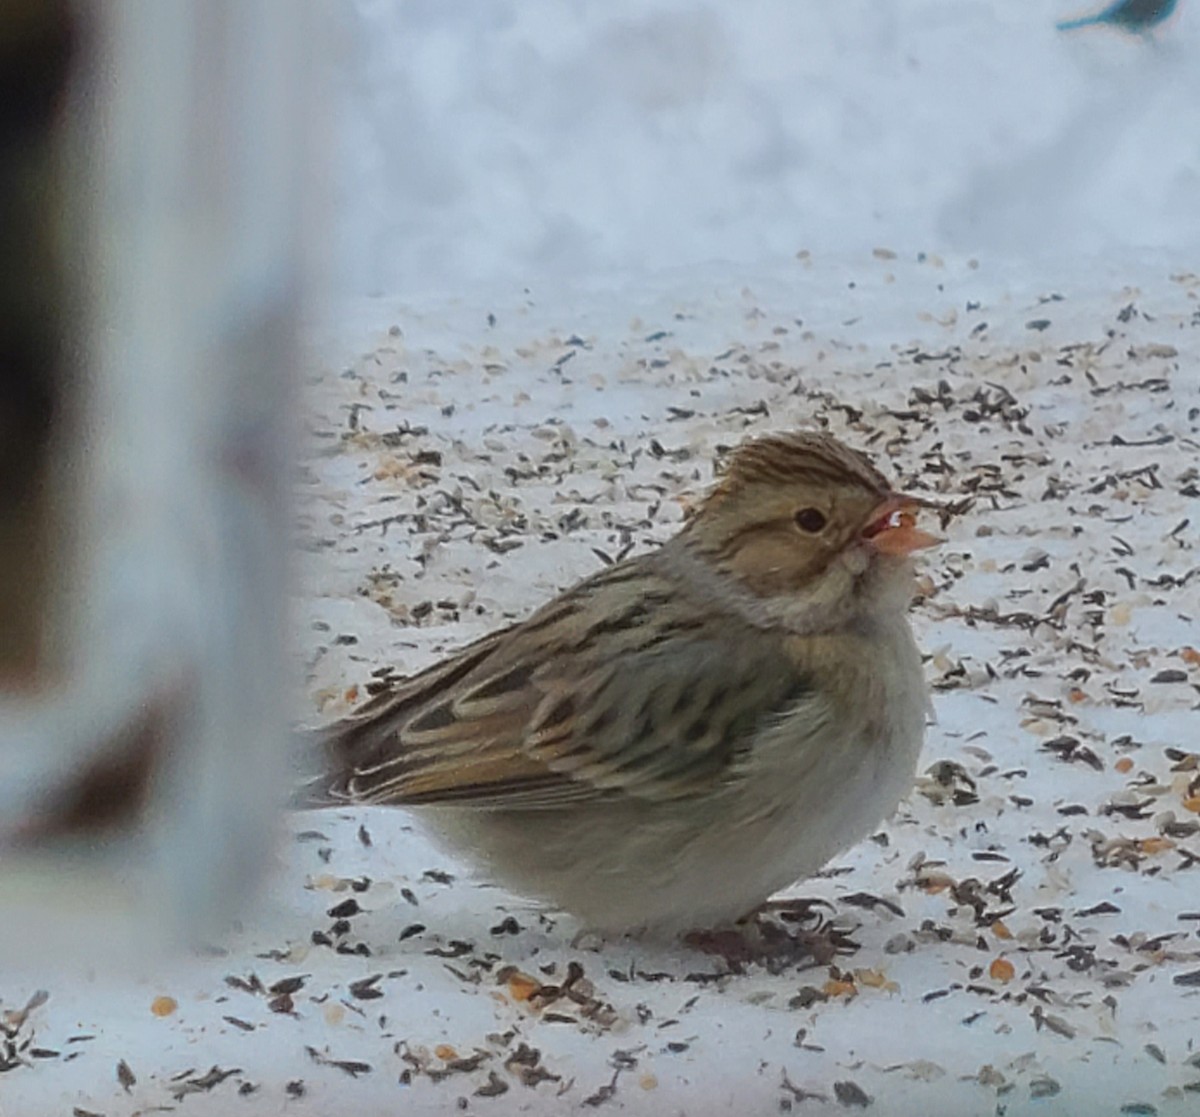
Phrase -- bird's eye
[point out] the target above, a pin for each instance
(811, 520)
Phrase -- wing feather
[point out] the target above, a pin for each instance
(597, 695)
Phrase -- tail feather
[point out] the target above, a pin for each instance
(1083, 21)
(330, 757)
(321, 774)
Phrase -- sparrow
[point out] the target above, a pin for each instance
(665, 745)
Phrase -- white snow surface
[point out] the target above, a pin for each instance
(504, 139)
(601, 243)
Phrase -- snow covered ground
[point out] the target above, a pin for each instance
(522, 138)
(955, 239)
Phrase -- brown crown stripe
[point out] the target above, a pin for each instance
(783, 457)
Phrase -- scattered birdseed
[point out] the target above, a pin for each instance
(1032, 895)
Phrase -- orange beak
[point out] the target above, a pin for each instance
(892, 528)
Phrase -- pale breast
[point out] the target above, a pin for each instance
(818, 778)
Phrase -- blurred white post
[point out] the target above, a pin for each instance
(189, 201)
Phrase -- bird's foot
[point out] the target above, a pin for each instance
(776, 935)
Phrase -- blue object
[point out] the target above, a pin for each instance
(1129, 15)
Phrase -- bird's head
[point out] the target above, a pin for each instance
(809, 528)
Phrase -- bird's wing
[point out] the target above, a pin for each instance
(557, 710)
